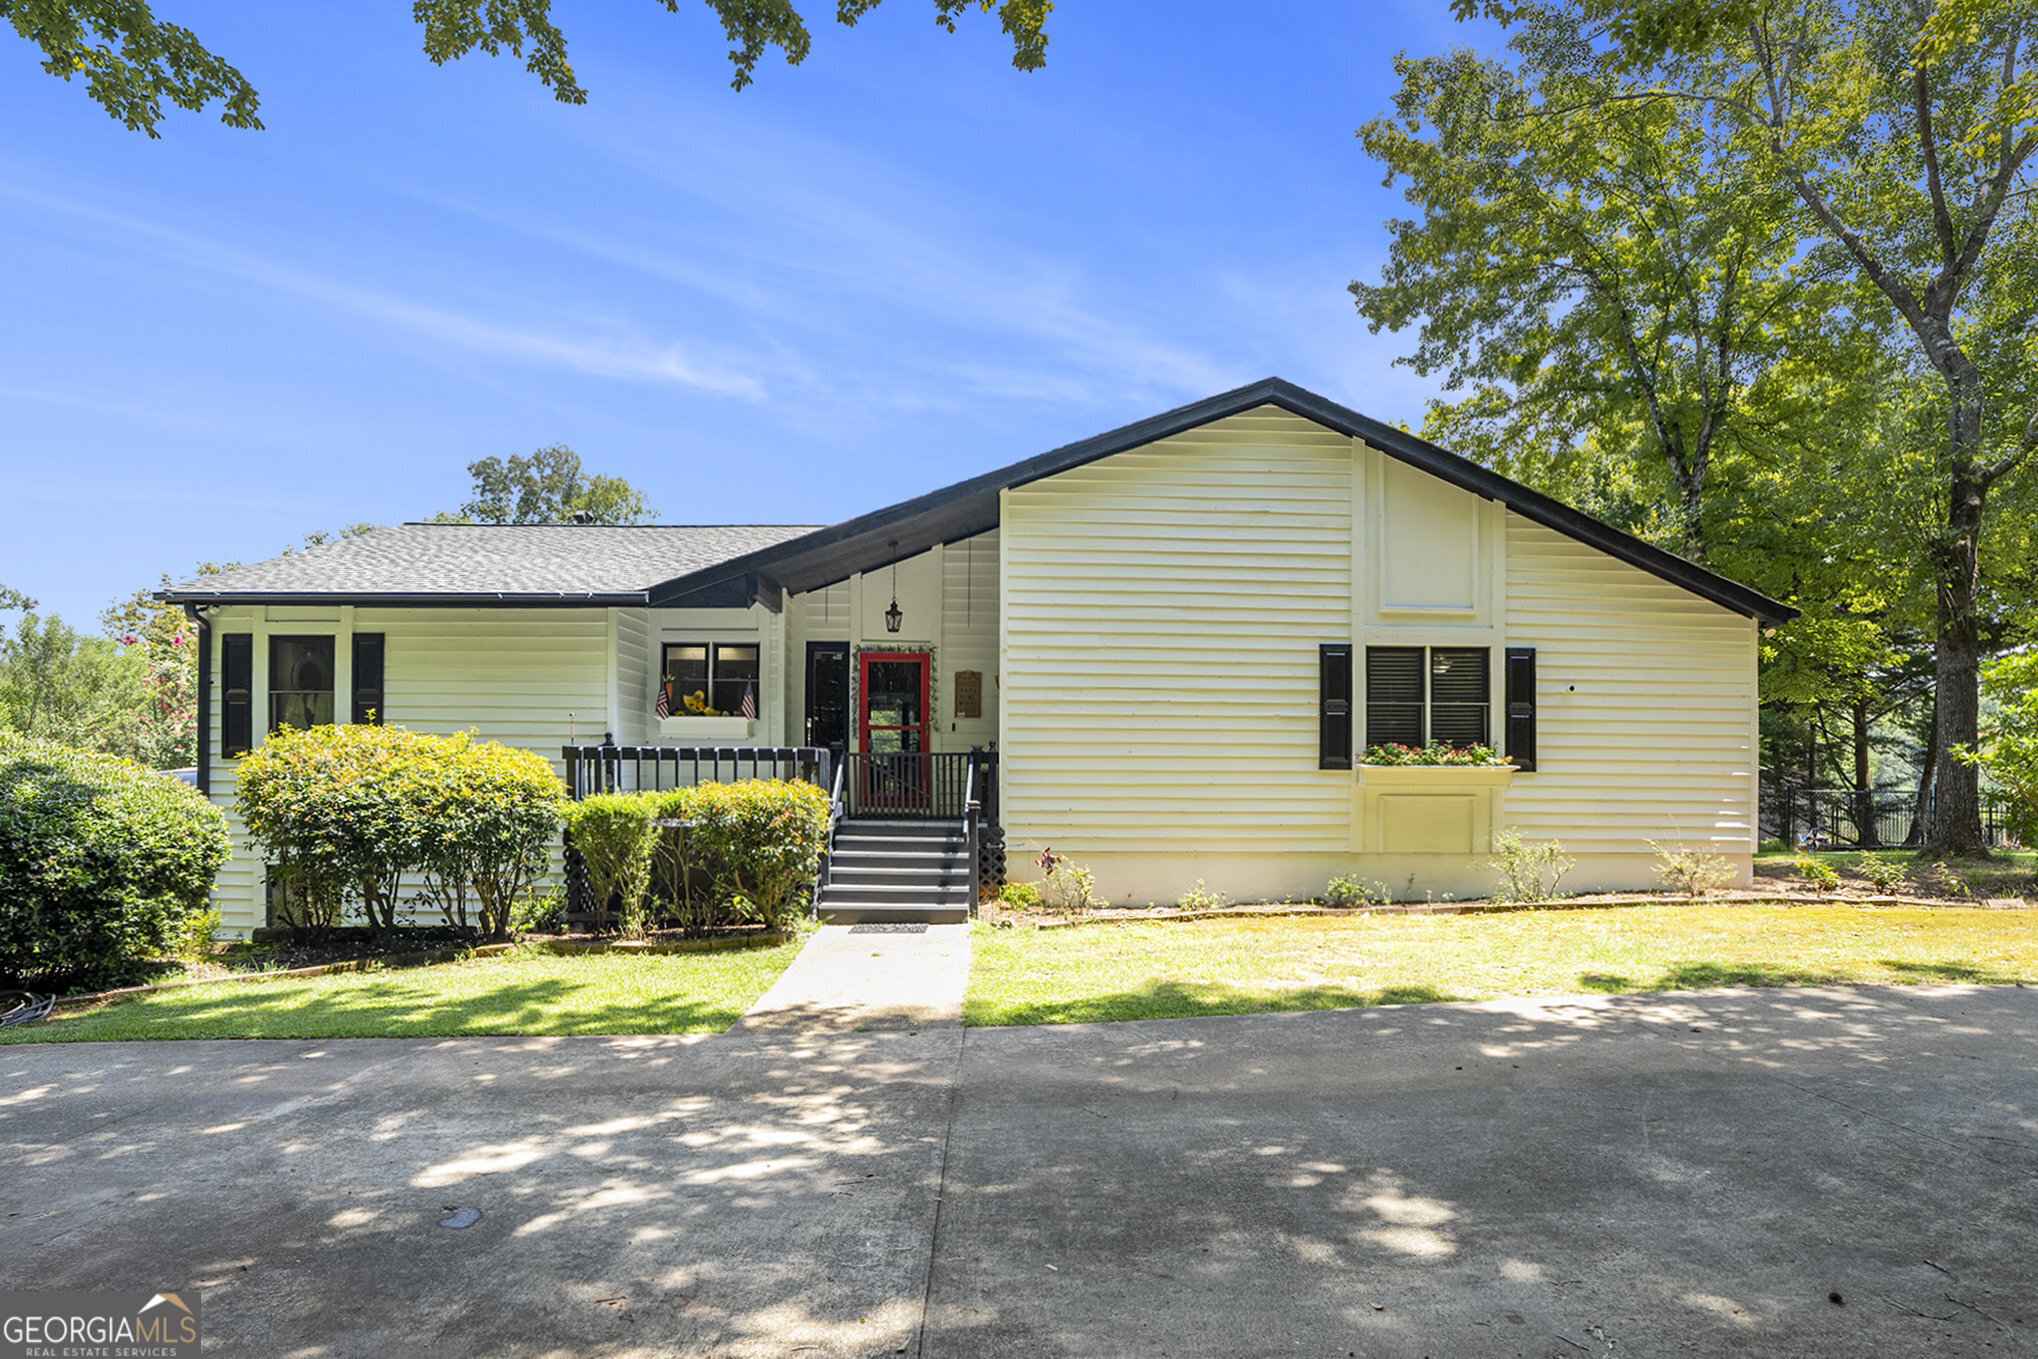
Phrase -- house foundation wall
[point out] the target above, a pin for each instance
(1142, 879)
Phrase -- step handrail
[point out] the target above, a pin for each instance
(972, 813)
(824, 870)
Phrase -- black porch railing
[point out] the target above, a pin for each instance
(646, 769)
(1851, 818)
(911, 786)
(960, 786)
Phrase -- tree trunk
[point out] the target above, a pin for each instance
(1867, 834)
(1954, 829)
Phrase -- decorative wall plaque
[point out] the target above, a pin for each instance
(969, 693)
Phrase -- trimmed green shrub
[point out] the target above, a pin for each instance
(761, 840)
(339, 813)
(682, 887)
(102, 863)
(344, 813)
(1021, 896)
(488, 830)
(748, 852)
(616, 839)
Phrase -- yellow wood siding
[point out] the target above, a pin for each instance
(1162, 612)
(1646, 699)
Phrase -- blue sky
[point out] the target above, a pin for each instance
(892, 267)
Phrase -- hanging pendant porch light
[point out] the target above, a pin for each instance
(894, 617)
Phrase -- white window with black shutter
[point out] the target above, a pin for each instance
(1428, 695)
(1334, 706)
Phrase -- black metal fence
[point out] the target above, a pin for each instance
(1849, 818)
(641, 769)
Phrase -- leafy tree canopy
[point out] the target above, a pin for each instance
(1897, 142)
(1611, 289)
(133, 63)
(548, 487)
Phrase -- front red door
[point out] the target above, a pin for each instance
(892, 729)
(892, 701)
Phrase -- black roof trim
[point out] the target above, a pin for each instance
(971, 507)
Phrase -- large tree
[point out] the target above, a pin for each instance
(1905, 129)
(133, 63)
(548, 487)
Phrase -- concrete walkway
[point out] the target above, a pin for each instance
(1766, 1172)
(857, 978)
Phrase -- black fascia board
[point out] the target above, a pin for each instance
(705, 591)
(971, 507)
(405, 599)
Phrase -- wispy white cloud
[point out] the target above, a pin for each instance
(864, 279)
(632, 357)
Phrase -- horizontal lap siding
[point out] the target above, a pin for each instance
(1645, 704)
(969, 638)
(633, 676)
(508, 675)
(1162, 613)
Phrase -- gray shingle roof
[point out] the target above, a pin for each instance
(489, 561)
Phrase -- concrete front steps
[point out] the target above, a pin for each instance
(897, 872)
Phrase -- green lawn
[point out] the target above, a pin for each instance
(1169, 971)
(520, 992)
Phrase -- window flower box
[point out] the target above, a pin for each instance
(701, 731)
(1427, 808)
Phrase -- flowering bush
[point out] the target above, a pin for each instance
(1435, 753)
(160, 728)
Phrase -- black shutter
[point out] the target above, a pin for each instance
(1394, 696)
(367, 678)
(1334, 706)
(237, 684)
(1521, 706)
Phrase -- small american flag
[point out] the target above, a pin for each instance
(663, 707)
(749, 708)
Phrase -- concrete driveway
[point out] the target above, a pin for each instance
(1788, 1172)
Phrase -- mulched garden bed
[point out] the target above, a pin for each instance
(351, 945)
(1781, 893)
